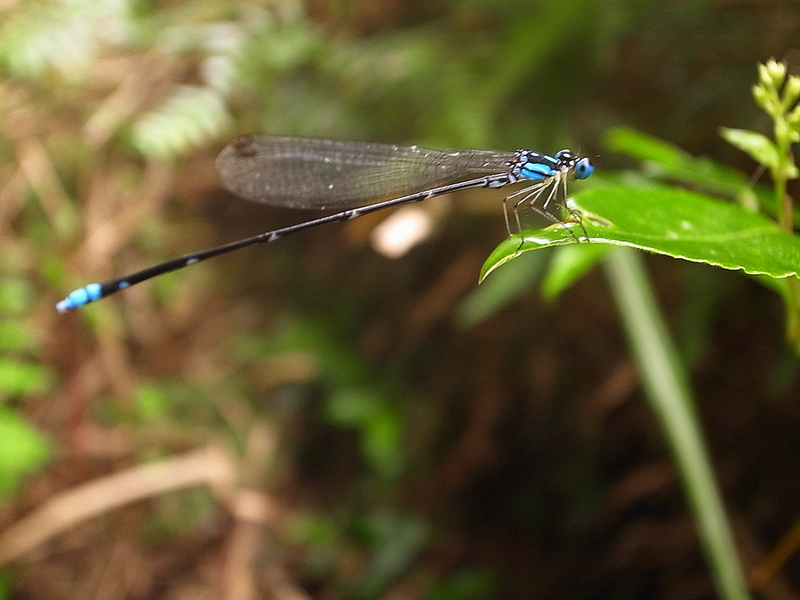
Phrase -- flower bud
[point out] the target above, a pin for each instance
(793, 118)
(760, 94)
(791, 92)
(776, 71)
(764, 77)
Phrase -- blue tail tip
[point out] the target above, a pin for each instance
(79, 297)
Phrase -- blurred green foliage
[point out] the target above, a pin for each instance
(23, 450)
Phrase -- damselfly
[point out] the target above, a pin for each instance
(317, 173)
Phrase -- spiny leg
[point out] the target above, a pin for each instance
(532, 200)
(528, 191)
(550, 197)
(559, 184)
(574, 216)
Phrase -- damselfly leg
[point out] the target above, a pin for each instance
(531, 198)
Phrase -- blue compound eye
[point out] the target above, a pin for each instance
(584, 168)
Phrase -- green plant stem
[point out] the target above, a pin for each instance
(786, 221)
(667, 391)
(793, 313)
(785, 208)
(784, 204)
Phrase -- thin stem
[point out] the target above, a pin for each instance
(782, 131)
(668, 393)
(784, 203)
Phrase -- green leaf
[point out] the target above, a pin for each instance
(675, 222)
(66, 36)
(152, 401)
(16, 335)
(382, 443)
(662, 159)
(469, 584)
(353, 407)
(23, 450)
(758, 146)
(187, 118)
(667, 162)
(380, 425)
(16, 296)
(569, 263)
(395, 540)
(18, 377)
(509, 285)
